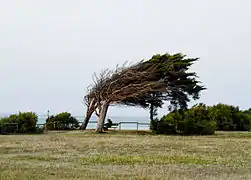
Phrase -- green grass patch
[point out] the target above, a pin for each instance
(110, 132)
(125, 155)
(150, 160)
(36, 158)
(229, 134)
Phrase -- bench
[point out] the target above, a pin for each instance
(114, 126)
(111, 125)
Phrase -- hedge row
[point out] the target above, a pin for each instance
(19, 123)
(203, 120)
(24, 123)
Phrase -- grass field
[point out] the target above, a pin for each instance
(76, 155)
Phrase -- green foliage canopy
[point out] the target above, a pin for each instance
(230, 118)
(62, 121)
(26, 121)
(202, 119)
(194, 121)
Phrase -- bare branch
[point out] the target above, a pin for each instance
(124, 83)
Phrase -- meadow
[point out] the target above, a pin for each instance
(125, 155)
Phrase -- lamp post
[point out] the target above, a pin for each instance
(45, 125)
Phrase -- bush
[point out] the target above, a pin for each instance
(244, 121)
(26, 123)
(222, 114)
(194, 121)
(167, 124)
(163, 127)
(3, 121)
(197, 121)
(62, 121)
(201, 119)
(230, 118)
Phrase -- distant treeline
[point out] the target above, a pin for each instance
(19, 123)
(202, 119)
(27, 123)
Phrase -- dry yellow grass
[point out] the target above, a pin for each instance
(76, 155)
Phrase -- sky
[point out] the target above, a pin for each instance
(49, 49)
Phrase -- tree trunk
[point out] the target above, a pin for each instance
(102, 116)
(151, 112)
(89, 113)
(87, 118)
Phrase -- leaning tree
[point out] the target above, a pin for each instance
(147, 84)
(115, 87)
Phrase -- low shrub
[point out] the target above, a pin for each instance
(230, 118)
(19, 123)
(3, 121)
(194, 121)
(62, 121)
(202, 119)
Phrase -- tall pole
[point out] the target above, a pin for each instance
(45, 125)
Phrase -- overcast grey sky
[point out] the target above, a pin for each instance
(49, 49)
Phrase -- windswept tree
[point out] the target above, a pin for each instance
(146, 84)
(115, 87)
(181, 85)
